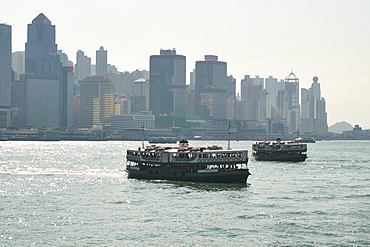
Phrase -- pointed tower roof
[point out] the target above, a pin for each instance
(292, 78)
(41, 19)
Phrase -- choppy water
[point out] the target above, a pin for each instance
(77, 193)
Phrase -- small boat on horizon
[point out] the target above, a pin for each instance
(163, 139)
(304, 140)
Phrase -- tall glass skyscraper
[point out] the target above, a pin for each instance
(167, 84)
(101, 61)
(40, 43)
(211, 88)
(5, 74)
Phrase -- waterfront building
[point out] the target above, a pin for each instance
(96, 101)
(40, 42)
(101, 62)
(15, 103)
(211, 88)
(39, 101)
(167, 85)
(5, 74)
(121, 122)
(18, 59)
(66, 97)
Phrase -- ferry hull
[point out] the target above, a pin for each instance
(288, 158)
(234, 177)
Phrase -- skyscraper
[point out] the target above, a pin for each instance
(313, 116)
(101, 62)
(40, 42)
(292, 97)
(18, 63)
(167, 85)
(251, 93)
(211, 84)
(96, 101)
(5, 74)
(66, 97)
(83, 66)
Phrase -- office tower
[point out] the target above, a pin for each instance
(96, 101)
(15, 104)
(18, 58)
(273, 86)
(211, 88)
(167, 85)
(101, 62)
(83, 66)
(5, 74)
(292, 97)
(251, 96)
(39, 101)
(313, 115)
(40, 42)
(321, 125)
(66, 97)
(64, 59)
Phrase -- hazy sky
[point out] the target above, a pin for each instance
(325, 38)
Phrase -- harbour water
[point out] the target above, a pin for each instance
(77, 194)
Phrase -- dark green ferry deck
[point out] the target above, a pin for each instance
(279, 151)
(184, 163)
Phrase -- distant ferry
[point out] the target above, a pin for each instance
(184, 163)
(163, 139)
(279, 151)
(304, 140)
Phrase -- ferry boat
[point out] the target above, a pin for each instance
(304, 140)
(184, 163)
(279, 151)
(163, 139)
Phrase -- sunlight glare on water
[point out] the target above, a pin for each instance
(77, 193)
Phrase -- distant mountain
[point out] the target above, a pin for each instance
(340, 127)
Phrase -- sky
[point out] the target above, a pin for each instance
(329, 39)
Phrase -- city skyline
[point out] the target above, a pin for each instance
(324, 39)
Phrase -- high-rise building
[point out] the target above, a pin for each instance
(66, 97)
(83, 66)
(251, 96)
(5, 74)
(40, 42)
(18, 63)
(167, 84)
(292, 97)
(39, 101)
(96, 101)
(64, 59)
(211, 88)
(313, 110)
(101, 62)
(273, 86)
(15, 103)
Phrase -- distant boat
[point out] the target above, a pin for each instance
(163, 139)
(279, 151)
(304, 140)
